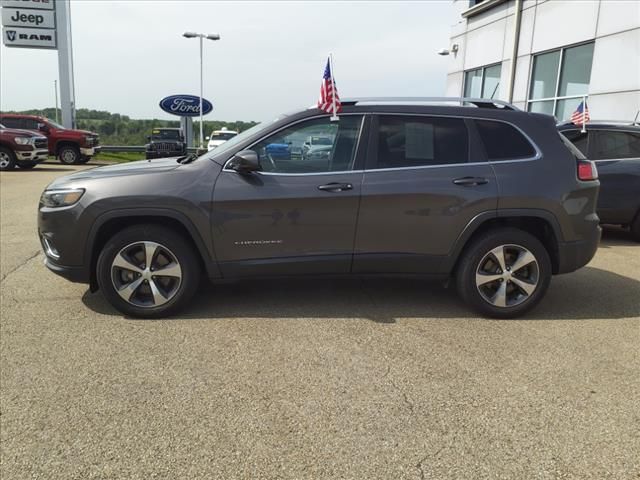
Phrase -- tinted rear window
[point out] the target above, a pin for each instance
(612, 145)
(416, 141)
(503, 141)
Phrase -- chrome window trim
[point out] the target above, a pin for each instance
(537, 156)
(341, 172)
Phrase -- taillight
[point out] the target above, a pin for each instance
(587, 170)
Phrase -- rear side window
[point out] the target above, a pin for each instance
(417, 141)
(11, 122)
(503, 141)
(579, 139)
(612, 145)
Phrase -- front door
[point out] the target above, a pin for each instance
(425, 180)
(298, 214)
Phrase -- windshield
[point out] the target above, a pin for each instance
(165, 134)
(241, 137)
(2, 126)
(54, 124)
(222, 135)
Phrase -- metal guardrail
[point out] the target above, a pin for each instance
(133, 148)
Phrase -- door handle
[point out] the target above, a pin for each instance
(335, 187)
(470, 181)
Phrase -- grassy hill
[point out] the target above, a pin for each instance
(116, 129)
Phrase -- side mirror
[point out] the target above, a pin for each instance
(207, 138)
(245, 161)
(148, 138)
(43, 127)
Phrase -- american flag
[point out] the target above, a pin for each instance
(327, 92)
(581, 114)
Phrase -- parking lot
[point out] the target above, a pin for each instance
(386, 378)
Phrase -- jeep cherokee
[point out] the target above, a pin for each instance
(470, 190)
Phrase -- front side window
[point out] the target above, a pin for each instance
(560, 80)
(407, 141)
(503, 141)
(612, 145)
(289, 150)
(30, 123)
(483, 82)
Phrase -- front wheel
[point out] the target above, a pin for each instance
(504, 273)
(148, 271)
(7, 159)
(69, 154)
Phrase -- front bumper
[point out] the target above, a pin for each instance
(39, 155)
(73, 274)
(574, 255)
(90, 151)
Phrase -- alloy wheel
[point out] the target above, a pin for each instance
(507, 275)
(5, 160)
(146, 274)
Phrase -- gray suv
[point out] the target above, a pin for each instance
(464, 189)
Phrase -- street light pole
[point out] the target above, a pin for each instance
(201, 37)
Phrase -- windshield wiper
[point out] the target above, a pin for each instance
(187, 158)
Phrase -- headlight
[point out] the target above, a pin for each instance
(23, 140)
(61, 198)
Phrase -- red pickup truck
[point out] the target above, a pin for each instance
(22, 148)
(70, 146)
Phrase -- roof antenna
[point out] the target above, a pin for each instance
(635, 120)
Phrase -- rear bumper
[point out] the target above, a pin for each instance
(573, 255)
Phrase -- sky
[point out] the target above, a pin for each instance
(129, 54)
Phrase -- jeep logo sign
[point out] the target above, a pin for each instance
(19, 17)
(185, 105)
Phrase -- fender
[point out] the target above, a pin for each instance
(476, 222)
(206, 253)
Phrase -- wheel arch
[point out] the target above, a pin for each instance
(539, 223)
(65, 143)
(111, 223)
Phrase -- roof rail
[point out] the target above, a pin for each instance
(462, 101)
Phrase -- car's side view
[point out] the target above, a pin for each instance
(464, 189)
(615, 147)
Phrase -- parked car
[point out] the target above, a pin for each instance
(165, 142)
(21, 148)
(481, 193)
(218, 137)
(69, 145)
(317, 146)
(615, 147)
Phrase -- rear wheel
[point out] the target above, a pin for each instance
(26, 164)
(148, 271)
(7, 159)
(504, 273)
(69, 154)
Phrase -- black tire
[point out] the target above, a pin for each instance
(26, 164)
(7, 159)
(69, 154)
(635, 228)
(130, 238)
(83, 159)
(477, 256)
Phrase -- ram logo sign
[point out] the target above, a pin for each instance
(29, 37)
(185, 105)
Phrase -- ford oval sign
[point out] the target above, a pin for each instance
(185, 105)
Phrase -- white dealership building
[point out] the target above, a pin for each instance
(545, 55)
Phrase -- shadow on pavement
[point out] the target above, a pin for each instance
(617, 236)
(589, 293)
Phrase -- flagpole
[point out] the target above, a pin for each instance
(334, 117)
(584, 114)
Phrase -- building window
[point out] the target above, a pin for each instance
(483, 82)
(559, 80)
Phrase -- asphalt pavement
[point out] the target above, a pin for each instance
(362, 379)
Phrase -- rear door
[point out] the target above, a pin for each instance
(298, 215)
(617, 155)
(425, 180)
